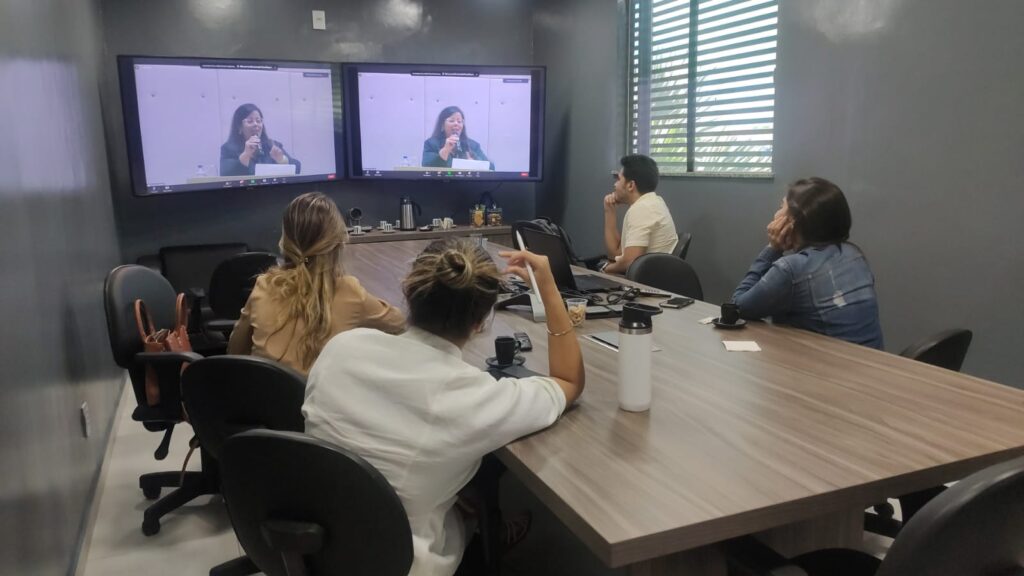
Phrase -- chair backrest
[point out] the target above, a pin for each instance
(666, 272)
(188, 267)
(946, 349)
(683, 245)
(974, 528)
(123, 286)
(225, 395)
(233, 280)
(269, 477)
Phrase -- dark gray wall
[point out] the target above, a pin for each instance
(914, 108)
(441, 31)
(58, 243)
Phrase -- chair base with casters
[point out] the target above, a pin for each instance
(187, 487)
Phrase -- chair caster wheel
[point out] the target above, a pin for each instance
(151, 493)
(150, 527)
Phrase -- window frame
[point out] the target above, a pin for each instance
(640, 38)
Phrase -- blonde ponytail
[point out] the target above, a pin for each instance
(312, 237)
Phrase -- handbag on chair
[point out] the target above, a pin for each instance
(163, 340)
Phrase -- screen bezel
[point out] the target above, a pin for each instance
(353, 147)
(133, 127)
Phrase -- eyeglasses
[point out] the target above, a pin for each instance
(251, 122)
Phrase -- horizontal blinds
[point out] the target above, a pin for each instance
(731, 84)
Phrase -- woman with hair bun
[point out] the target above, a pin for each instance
(810, 275)
(423, 416)
(295, 308)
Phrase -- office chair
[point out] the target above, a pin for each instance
(123, 286)
(683, 245)
(971, 529)
(666, 272)
(946, 349)
(189, 269)
(230, 285)
(303, 507)
(225, 395)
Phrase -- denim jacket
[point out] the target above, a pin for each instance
(825, 289)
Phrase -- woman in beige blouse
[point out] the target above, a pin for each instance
(295, 308)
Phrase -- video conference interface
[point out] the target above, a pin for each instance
(445, 124)
(225, 124)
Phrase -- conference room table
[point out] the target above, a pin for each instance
(789, 444)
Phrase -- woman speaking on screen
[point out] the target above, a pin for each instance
(249, 145)
(450, 141)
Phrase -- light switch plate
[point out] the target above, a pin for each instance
(319, 20)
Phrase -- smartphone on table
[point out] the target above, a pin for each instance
(677, 302)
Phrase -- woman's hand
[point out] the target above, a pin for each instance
(517, 261)
(780, 232)
(252, 145)
(278, 155)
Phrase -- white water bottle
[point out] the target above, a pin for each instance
(635, 337)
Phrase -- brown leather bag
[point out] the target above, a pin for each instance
(163, 340)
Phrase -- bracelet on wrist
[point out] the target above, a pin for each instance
(563, 333)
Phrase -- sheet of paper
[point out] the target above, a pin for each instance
(707, 320)
(741, 346)
(467, 164)
(275, 170)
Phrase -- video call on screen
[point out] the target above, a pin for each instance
(185, 120)
(399, 115)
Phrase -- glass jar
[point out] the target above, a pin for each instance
(476, 217)
(494, 216)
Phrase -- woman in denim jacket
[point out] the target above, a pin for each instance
(809, 276)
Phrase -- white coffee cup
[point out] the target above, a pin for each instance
(388, 227)
(447, 224)
(357, 229)
(436, 223)
(383, 224)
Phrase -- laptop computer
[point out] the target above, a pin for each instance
(552, 246)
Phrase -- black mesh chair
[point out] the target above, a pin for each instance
(666, 272)
(225, 395)
(683, 246)
(301, 506)
(230, 286)
(946, 349)
(974, 528)
(123, 286)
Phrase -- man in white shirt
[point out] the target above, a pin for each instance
(647, 226)
(422, 416)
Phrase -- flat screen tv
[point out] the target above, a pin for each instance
(213, 124)
(444, 122)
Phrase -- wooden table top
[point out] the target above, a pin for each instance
(735, 442)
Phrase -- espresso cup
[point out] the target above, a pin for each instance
(357, 229)
(447, 224)
(505, 348)
(436, 223)
(383, 224)
(730, 313)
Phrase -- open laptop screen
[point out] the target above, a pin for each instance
(551, 246)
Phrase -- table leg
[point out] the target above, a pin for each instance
(843, 529)
(706, 561)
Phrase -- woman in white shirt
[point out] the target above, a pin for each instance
(422, 416)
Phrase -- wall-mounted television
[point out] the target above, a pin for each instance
(444, 122)
(213, 124)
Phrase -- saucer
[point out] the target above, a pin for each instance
(388, 231)
(719, 324)
(517, 361)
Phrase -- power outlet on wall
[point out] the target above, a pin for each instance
(319, 20)
(86, 422)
